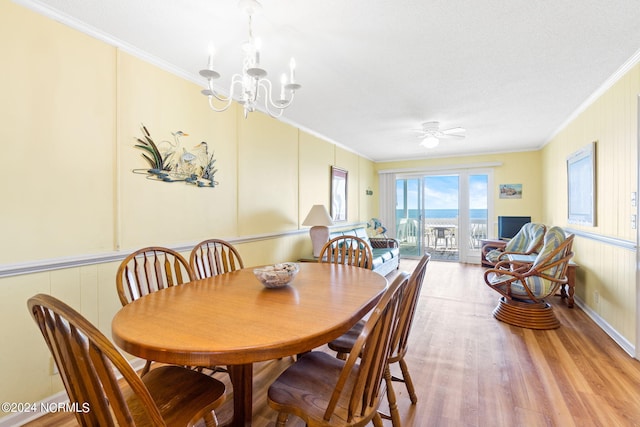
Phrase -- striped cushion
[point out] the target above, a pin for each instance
(493, 255)
(539, 286)
(553, 238)
(525, 241)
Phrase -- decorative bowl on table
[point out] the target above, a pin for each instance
(277, 275)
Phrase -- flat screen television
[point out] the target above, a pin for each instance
(508, 226)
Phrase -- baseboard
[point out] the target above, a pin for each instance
(607, 328)
(53, 402)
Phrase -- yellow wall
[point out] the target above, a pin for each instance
(605, 269)
(317, 158)
(58, 115)
(267, 161)
(368, 180)
(72, 108)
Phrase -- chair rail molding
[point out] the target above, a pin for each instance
(30, 267)
(613, 241)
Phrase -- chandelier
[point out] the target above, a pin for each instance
(251, 86)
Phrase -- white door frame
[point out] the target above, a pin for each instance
(637, 212)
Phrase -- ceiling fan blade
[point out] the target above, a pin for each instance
(453, 130)
(430, 133)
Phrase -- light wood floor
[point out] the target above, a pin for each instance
(472, 370)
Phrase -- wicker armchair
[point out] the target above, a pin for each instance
(524, 289)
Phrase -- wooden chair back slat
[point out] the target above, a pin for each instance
(106, 378)
(214, 256)
(167, 267)
(350, 250)
(150, 269)
(152, 278)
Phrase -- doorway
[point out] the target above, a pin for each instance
(444, 213)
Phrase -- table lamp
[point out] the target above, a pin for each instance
(319, 220)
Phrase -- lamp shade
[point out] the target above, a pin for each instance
(318, 215)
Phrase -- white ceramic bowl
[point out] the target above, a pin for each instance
(277, 275)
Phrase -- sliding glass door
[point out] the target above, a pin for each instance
(441, 216)
(478, 221)
(409, 217)
(444, 214)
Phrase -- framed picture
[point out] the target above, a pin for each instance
(511, 191)
(581, 182)
(338, 194)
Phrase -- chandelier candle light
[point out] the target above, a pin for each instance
(250, 86)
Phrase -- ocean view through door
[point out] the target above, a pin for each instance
(442, 214)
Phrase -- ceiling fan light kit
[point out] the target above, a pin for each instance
(431, 134)
(430, 142)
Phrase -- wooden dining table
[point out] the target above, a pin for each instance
(232, 319)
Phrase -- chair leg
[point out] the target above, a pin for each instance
(377, 420)
(145, 370)
(299, 355)
(391, 399)
(210, 420)
(282, 419)
(407, 381)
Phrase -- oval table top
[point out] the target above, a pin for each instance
(232, 319)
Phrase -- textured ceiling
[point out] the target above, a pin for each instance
(510, 72)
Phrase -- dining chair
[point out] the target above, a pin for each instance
(325, 391)
(214, 256)
(429, 236)
(442, 234)
(350, 250)
(400, 343)
(92, 370)
(148, 270)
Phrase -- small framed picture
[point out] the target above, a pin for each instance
(511, 191)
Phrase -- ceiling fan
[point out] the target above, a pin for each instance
(431, 134)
